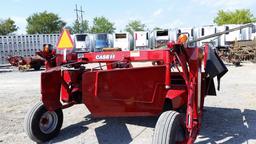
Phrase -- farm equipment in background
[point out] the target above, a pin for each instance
(239, 51)
(46, 57)
(26, 63)
(14, 60)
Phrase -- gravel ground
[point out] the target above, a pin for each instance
(228, 118)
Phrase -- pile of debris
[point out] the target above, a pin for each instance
(240, 51)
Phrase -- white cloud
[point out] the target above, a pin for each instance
(158, 12)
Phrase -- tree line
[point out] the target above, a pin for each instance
(47, 22)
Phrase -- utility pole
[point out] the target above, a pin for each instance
(80, 19)
(81, 11)
(77, 16)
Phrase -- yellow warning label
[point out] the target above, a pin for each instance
(65, 41)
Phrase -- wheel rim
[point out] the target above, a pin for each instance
(48, 122)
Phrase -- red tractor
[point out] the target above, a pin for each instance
(174, 88)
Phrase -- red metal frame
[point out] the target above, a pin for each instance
(133, 91)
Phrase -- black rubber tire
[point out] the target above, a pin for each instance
(31, 123)
(37, 67)
(168, 129)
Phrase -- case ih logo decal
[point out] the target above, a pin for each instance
(105, 57)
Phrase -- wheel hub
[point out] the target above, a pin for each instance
(48, 122)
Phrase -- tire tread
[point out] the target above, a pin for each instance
(165, 125)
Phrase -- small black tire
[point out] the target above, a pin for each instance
(36, 122)
(169, 129)
(37, 68)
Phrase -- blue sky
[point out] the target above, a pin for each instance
(161, 13)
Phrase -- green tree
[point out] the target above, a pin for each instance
(80, 27)
(7, 26)
(135, 25)
(44, 22)
(102, 25)
(239, 16)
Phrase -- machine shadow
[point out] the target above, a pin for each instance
(72, 130)
(116, 131)
(229, 126)
(220, 125)
(113, 130)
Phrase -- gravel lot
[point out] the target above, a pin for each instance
(228, 118)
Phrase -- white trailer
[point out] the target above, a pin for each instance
(141, 40)
(187, 31)
(207, 30)
(225, 40)
(232, 36)
(190, 33)
(173, 34)
(222, 38)
(83, 42)
(253, 35)
(246, 34)
(122, 40)
(159, 38)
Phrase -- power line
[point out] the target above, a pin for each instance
(79, 11)
(79, 17)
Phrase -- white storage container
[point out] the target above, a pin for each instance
(232, 36)
(122, 40)
(222, 38)
(159, 38)
(83, 42)
(102, 40)
(205, 31)
(253, 35)
(246, 34)
(141, 40)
